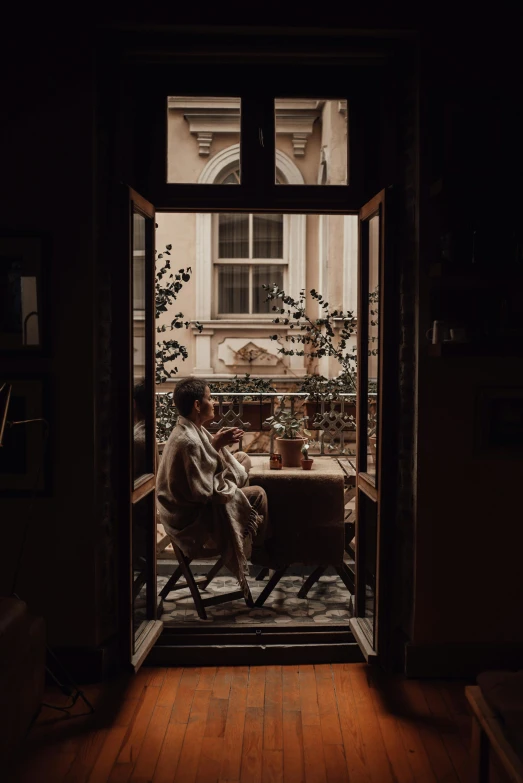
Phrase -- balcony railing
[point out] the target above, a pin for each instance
(330, 427)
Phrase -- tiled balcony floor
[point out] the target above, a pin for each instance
(328, 602)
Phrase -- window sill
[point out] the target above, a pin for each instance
(241, 323)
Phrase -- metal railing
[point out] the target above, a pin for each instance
(330, 428)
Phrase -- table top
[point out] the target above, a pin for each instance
(321, 467)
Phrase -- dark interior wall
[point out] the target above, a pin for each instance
(48, 165)
(467, 526)
(468, 506)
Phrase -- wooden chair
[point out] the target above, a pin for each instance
(195, 585)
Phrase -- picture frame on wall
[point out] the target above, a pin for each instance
(499, 422)
(24, 452)
(23, 262)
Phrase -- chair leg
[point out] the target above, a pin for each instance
(191, 584)
(168, 586)
(138, 584)
(346, 577)
(212, 573)
(311, 579)
(262, 574)
(248, 599)
(269, 587)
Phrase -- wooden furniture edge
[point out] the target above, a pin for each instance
(491, 726)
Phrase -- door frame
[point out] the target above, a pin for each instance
(380, 491)
(133, 648)
(235, 200)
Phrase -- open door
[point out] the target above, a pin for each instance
(375, 430)
(134, 411)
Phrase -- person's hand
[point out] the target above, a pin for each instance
(226, 436)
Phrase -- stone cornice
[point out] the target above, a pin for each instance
(207, 116)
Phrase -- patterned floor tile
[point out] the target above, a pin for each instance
(328, 601)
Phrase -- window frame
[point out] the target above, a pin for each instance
(258, 190)
(249, 262)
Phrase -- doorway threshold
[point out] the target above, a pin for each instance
(257, 645)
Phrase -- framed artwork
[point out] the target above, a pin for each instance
(499, 422)
(24, 451)
(22, 307)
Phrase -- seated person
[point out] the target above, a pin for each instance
(204, 502)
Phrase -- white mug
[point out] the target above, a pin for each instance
(436, 333)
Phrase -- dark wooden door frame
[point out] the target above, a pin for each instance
(290, 199)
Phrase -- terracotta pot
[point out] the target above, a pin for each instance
(254, 413)
(290, 450)
(307, 464)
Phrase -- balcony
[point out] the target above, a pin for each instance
(330, 427)
(331, 431)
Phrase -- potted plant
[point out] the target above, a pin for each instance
(306, 461)
(330, 335)
(286, 425)
(255, 410)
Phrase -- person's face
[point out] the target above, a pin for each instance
(206, 407)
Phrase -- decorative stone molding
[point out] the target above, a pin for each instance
(297, 120)
(208, 116)
(227, 159)
(299, 143)
(248, 351)
(204, 142)
(203, 345)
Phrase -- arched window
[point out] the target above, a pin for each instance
(248, 252)
(237, 252)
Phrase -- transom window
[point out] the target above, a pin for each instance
(249, 251)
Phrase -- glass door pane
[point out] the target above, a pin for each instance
(373, 495)
(368, 357)
(142, 493)
(373, 344)
(311, 141)
(202, 133)
(367, 544)
(143, 567)
(142, 435)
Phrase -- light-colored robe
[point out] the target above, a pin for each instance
(200, 502)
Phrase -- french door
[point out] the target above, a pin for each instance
(375, 430)
(134, 410)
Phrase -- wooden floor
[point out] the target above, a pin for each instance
(325, 723)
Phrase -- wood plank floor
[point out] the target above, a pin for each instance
(343, 723)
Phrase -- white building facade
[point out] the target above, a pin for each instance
(232, 255)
